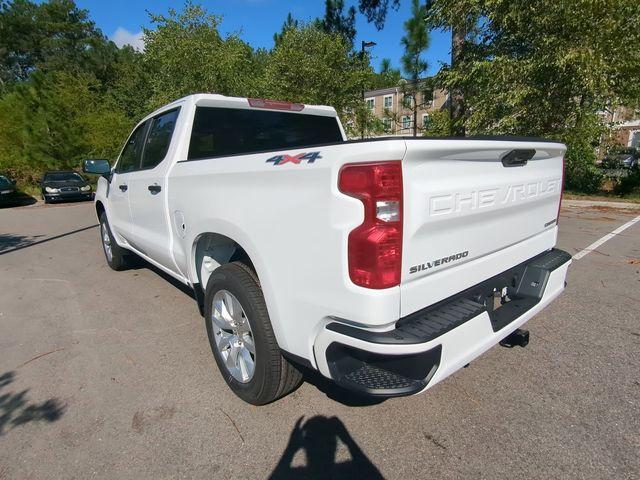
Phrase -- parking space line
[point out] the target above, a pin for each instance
(608, 236)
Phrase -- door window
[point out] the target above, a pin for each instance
(131, 151)
(159, 138)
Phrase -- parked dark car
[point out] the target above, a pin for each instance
(621, 158)
(7, 190)
(65, 186)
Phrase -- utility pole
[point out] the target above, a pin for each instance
(364, 45)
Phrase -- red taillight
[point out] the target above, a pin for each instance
(375, 247)
(561, 193)
(275, 104)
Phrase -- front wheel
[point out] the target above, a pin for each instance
(241, 337)
(114, 254)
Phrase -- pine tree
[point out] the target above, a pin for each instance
(416, 42)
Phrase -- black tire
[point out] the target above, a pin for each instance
(118, 260)
(274, 376)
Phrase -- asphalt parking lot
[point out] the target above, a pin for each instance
(110, 375)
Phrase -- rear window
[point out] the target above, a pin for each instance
(229, 131)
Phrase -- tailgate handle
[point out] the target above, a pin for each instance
(518, 158)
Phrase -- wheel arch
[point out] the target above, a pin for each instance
(99, 206)
(221, 250)
(212, 250)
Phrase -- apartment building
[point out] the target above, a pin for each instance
(394, 108)
(625, 126)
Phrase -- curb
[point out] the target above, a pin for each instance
(597, 203)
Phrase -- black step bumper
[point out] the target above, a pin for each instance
(504, 297)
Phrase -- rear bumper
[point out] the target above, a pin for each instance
(430, 344)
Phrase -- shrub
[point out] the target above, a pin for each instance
(581, 173)
(629, 184)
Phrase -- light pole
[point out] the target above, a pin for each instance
(364, 45)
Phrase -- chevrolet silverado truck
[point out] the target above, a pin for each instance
(385, 264)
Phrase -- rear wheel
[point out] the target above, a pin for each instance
(241, 337)
(115, 254)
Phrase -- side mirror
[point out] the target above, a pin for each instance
(98, 167)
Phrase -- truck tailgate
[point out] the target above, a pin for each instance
(463, 205)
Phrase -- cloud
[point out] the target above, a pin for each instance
(122, 37)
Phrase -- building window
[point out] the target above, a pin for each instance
(406, 101)
(386, 121)
(425, 120)
(388, 101)
(371, 103)
(427, 98)
(406, 122)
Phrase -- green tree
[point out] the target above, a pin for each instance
(376, 10)
(337, 21)
(186, 54)
(312, 66)
(130, 89)
(55, 120)
(438, 125)
(387, 77)
(289, 23)
(416, 42)
(49, 36)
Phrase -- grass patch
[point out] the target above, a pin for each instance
(31, 190)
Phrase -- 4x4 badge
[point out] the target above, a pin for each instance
(310, 157)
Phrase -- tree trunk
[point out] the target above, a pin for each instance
(415, 116)
(456, 98)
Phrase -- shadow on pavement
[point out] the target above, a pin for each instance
(16, 410)
(11, 243)
(134, 262)
(335, 392)
(20, 200)
(318, 439)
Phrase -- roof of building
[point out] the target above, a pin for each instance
(388, 90)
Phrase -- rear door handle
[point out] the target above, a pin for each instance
(154, 188)
(123, 187)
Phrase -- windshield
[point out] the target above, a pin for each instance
(4, 181)
(63, 177)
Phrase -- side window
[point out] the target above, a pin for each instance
(159, 138)
(130, 154)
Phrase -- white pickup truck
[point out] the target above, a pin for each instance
(385, 264)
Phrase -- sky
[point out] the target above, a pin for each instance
(257, 20)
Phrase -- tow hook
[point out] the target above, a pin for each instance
(518, 338)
